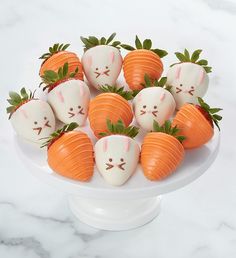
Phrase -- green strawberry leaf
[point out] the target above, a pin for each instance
(138, 43)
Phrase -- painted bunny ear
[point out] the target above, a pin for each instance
(162, 97)
(112, 56)
(139, 97)
(126, 144)
(178, 71)
(81, 91)
(24, 113)
(60, 96)
(201, 76)
(88, 61)
(105, 145)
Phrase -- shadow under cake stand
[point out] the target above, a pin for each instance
(134, 204)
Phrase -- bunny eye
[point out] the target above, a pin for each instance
(45, 118)
(144, 106)
(106, 67)
(155, 107)
(79, 106)
(110, 159)
(35, 122)
(71, 109)
(96, 69)
(121, 159)
(192, 87)
(181, 85)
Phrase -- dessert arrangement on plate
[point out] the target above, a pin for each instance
(169, 110)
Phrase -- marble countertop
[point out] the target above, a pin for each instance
(198, 221)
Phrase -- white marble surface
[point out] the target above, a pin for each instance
(198, 221)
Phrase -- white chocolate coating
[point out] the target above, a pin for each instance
(116, 158)
(102, 65)
(34, 120)
(188, 82)
(70, 101)
(153, 103)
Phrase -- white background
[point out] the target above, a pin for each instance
(198, 221)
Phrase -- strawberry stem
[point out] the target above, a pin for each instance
(120, 129)
(147, 44)
(53, 50)
(50, 78)
(92, 41)
(168, 129)
(58, 133)
(211, 111)
(128, 95)
(194, 58)
(16, 100)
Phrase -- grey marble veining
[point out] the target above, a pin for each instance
(198, 221)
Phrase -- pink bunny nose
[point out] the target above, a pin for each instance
(149, 111)
(186, 91)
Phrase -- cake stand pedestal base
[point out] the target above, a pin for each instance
(115, 215)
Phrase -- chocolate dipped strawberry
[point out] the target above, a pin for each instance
(113, 104)
(188, 79)
(140, 61)
(117, 154)
(102, 61)
(68, 96)
(196, 123)
(55, 58)
(70, 153)
(30, 117)
(154, 102)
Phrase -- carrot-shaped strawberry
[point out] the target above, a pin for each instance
(140, 61)
(117, 154)
(68, 96)
(31, 118)
(57, 56)
(162, 151)
(102, 61)
(112, 104)
(70, 153)
(196, 123)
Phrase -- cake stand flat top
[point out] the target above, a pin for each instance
(195, 163)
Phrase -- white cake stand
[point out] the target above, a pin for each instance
(118, 208)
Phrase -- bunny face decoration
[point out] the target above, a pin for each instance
(34, 120)
(70, 101)
(116, 158)
(188, 81)
(153, 103)
(102, 65)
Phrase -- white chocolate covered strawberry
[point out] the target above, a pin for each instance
(154, 102)
(32, 118)
(69, 97)
(102, 61)
(188, 79)
(117, 155)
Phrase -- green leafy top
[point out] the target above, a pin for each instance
(49, 78)
(211, 111)
(16, 100)
(55, 135)
(148, 82)
(92, 41)
(154, 83)
(194, 58)
(147, 44)
(53, 50)
(168, 129)
(128, 95)
(120, 128)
